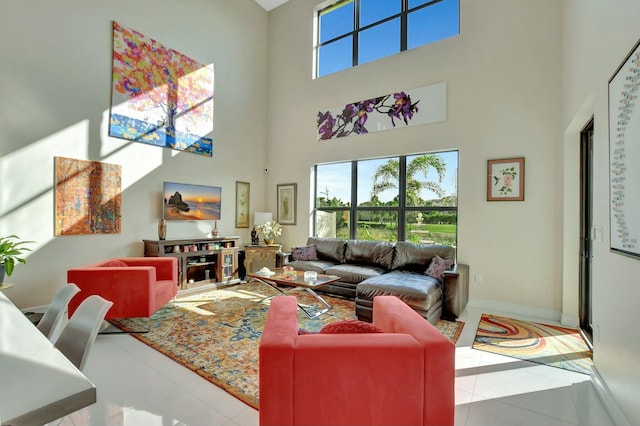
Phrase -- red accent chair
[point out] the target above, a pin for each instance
(403, 376)
(137, 286)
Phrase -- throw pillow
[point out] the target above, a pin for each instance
(350, 326)
(438, 266)
(304, 252)
(114, 262)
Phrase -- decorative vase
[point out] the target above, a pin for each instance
(215, 231)
(162, 229)
(269, 241)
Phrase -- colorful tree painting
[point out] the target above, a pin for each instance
(160, 96)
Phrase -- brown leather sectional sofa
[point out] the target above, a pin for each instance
(371, 268)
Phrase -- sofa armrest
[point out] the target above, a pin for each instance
(394, 316)
(125, 286)
(276, 354)
(282, 258)
(166, 267)
(456, 290)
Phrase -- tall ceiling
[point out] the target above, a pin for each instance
(270, 4)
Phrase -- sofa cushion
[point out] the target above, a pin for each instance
(350, 326)
(438, 266)
(354, 273)
(113, 263)
(417, 257)
(375, 253)
(318, 266)
(328, 248)
(405, 285)
(304, 252)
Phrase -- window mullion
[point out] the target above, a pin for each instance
(356, 31)
(403, 25)
(402, 197)
(353, 223)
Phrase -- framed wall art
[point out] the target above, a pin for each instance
(88, 197)
(159, 96)
(287, 193)
(422, 105)
(624, 154)
(185, 201)
(505, 179)
(242, 204)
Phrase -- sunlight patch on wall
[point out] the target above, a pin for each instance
(26, 202)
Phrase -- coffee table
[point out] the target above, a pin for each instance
(278, 279)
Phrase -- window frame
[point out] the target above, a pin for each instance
(357, 29)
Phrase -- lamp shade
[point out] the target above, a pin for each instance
(260, 218)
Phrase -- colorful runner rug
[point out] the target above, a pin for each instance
(540, 343)
(216, 334)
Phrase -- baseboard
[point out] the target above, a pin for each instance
(607, 399)
(519, 311)
(570, 321)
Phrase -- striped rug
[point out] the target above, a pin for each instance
(531, 341)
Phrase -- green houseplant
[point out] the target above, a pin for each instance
(11, 250)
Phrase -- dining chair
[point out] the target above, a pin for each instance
(79, 334)
(56, 312)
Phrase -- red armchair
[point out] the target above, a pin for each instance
(403, 376)
(137, 286)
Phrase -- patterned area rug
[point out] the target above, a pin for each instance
(216, 334)
(540, 343)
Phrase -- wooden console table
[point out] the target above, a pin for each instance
(260, 256)
(201, 261)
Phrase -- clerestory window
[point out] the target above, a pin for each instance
(353, 32)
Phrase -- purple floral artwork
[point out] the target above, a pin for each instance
(418, 106)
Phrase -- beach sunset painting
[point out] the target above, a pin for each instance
(183, 201)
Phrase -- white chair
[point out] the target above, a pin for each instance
(56, 312)
(79, 334)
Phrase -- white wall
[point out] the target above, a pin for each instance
(504, 100)
(597, 38)
(55, 76)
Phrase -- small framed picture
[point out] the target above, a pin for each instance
(242, 204)
(505, 179)
(287, 203)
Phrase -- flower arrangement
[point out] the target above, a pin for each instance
(270, 230)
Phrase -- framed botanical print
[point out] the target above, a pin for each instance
(287, 203)
(624, 150)
(505, 179)
(242, 204)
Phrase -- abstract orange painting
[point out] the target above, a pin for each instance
(88, 199)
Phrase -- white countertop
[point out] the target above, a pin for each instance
(38, 383)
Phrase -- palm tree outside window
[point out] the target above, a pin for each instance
(403, 198)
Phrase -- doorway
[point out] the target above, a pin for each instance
(586, 212)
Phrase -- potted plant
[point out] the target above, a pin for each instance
(270, 230)
(11, 250)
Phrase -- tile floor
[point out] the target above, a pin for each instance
(138, 386)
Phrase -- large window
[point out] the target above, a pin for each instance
(352, 32)
(404, 198)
